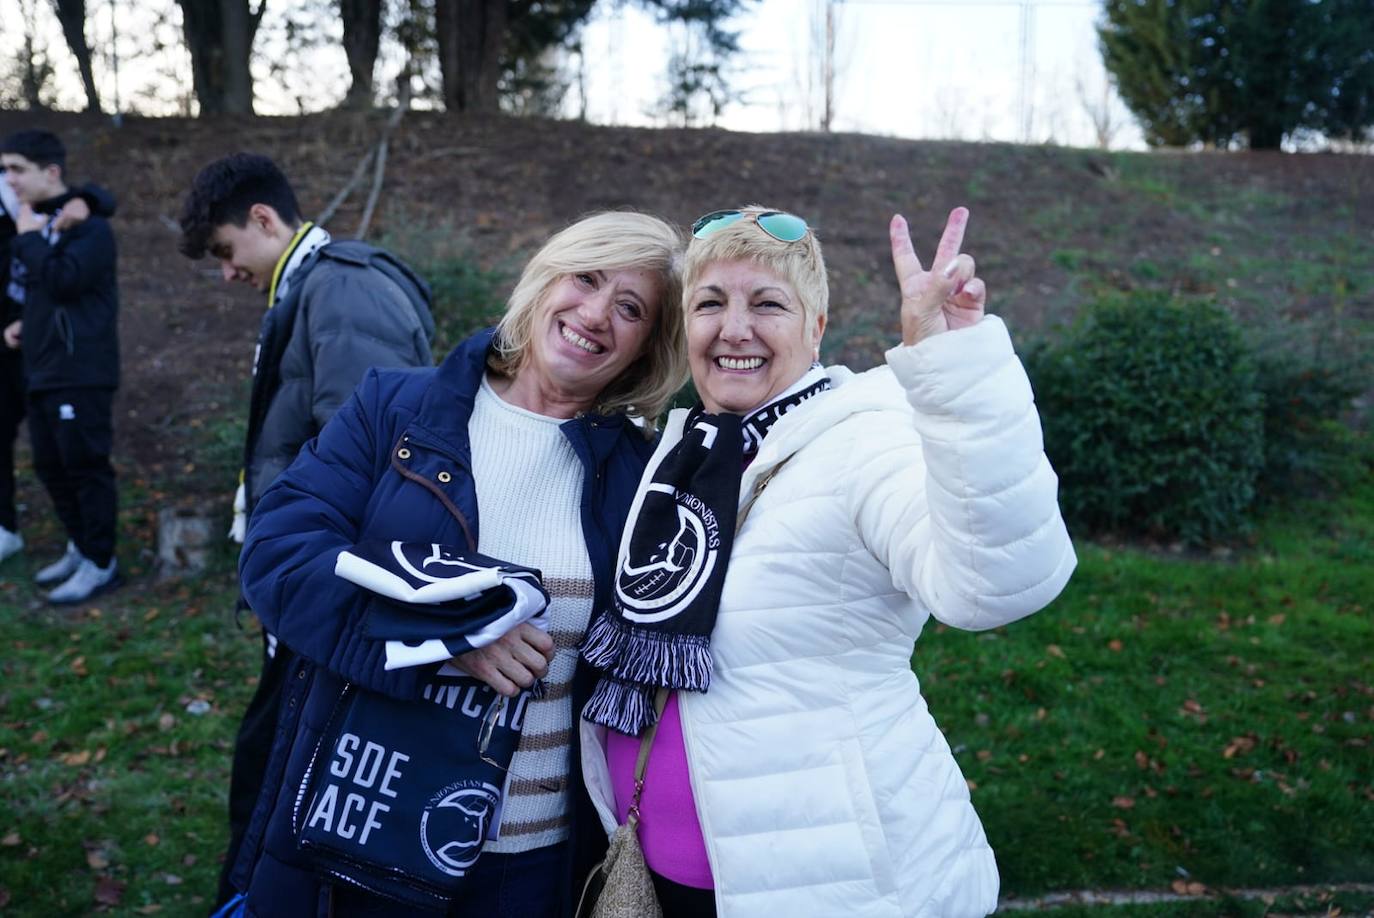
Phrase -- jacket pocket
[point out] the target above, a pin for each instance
(425, 461)
(868, 818)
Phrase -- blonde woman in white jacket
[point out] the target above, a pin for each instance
(796, 770)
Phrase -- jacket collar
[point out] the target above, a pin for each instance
(307, 240)
(872, 390)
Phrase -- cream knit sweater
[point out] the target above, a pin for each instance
(529, 489)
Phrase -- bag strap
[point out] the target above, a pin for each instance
(646, 743)
(759, 485)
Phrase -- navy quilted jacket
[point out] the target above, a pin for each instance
(393, 463)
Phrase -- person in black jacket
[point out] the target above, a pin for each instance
(334, 309)
(90, 199)
(64, 281)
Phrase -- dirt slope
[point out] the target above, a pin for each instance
(1050, 226)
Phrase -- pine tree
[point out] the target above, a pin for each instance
(1221, 71)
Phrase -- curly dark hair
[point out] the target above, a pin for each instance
(42, 148)
(223, 192)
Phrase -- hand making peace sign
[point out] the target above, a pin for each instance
(945, 298)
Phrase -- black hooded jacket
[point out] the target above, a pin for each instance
(70, 300)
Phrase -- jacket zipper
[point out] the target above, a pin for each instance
(706, 836)
(684, 706)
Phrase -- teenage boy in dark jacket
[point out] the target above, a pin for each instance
(90, 199)
(64, 281)
(334, 309)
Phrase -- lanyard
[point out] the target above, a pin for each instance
(286, 257)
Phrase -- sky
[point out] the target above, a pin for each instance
(1004, 70)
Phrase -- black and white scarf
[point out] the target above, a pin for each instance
(673, 559)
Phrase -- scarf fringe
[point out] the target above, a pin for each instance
(649, 658)
(621, 706)
(604, 644)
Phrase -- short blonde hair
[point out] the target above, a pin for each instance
(601, 242)
(800, 263)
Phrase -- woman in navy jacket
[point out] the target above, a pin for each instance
(520, 445)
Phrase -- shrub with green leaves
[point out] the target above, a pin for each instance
(1152, 418)
(467, 296)
(1310, 375)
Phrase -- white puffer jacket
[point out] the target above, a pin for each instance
(823, 785)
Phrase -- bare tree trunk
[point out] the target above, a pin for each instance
(72, 15)
(472, 37)
(219, 35)
(36, 70)
(362, 30)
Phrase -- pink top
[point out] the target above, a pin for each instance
(669, 830)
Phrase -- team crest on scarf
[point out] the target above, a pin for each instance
(657, 632)
(669, 563)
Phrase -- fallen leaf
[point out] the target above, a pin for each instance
(78, 666)
(166, 722)
(1123, 803)
(108, 890)
(1055, 650)
(151, 839)
(1099, 754)
(1277, 619)
(152, 908)
(77, 758)
(11, 839)
(1238, 746)
(1114, 645)
(96, 859)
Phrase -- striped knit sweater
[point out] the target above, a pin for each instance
(529, 489)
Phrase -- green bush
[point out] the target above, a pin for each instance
(1309, 376)
(467, 296)
(1152, 418)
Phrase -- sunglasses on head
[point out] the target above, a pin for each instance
(782, 227)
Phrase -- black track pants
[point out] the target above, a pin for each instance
(72, 434)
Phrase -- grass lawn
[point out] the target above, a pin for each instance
(1174, 719)
(1170, 720)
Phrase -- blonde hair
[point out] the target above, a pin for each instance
(800, 263)
(602, 242)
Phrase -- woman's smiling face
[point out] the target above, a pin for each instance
(592, 326)
(748, 338)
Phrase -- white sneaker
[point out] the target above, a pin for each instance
(11, 543)
(87, 581)
(60, 569)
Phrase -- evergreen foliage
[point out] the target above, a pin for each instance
(1221, 71)
(1152, 418)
